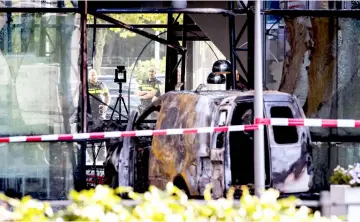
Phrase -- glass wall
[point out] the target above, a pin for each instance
(317, 59)
(204, 54)
(39, 84)
(118, 47)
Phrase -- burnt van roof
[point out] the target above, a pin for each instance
(221, 94)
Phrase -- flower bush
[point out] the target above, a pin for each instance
(104, 204)
(349, 176)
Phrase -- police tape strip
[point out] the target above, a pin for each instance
(333, 123)
(117, 134)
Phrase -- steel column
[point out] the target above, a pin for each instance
(94, 44)
(183, 62)
(171, 57)
(84, 88)
(259, 152)
(234, 58)
(250, 46)
(230, 80)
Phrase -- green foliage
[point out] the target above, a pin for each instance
(340, 176)
(171, 204)
(146, 18)
(142, 66)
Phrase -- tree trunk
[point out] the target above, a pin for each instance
(297, 38)
(100, 43)
(322, 65)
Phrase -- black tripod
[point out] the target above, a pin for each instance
(120, 99)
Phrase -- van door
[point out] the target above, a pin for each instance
(134, 156)
(289, 150)
(125, 167)
(217, 158)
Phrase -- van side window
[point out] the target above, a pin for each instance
(220, 137)
(284, 134)
(222, 118)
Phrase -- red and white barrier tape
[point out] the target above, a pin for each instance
(310, 122)
(116, 134)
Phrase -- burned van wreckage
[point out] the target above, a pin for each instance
(223, 159)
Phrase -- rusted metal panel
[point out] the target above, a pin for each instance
(177, 155)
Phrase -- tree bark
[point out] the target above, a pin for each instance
(100, 43)
(322, 65)
(297, 39)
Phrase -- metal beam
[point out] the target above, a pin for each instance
(138, 31)
(250, 47)
(259, 146)
(355, 13)
(171, 57)
(191, 27)
(333, 137)
(234, 49)
(184, 42)
(230, 80)
(172, 10)
(81, 183)
(39, 10)
(93, 44)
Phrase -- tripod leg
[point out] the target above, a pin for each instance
(112, 113)
(123, 101)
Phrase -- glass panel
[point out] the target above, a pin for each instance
(320, 65)
(204, 54)
(39, 83)
(42, 170)
(222, 118)
(326, 156)
(116, 48)
(322, 71)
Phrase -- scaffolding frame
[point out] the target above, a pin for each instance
(173, 50)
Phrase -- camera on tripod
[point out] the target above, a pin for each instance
(122, 77)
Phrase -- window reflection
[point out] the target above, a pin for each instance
(114, 48)
(39, 84)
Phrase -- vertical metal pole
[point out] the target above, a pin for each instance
(171, 56)
(83, 63)
(251, 45)
(259, 153)
(94, 44)
(264, 40)
(230, 79)
(84, 88)
(183, 61)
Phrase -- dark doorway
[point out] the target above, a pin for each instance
(242, 147)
